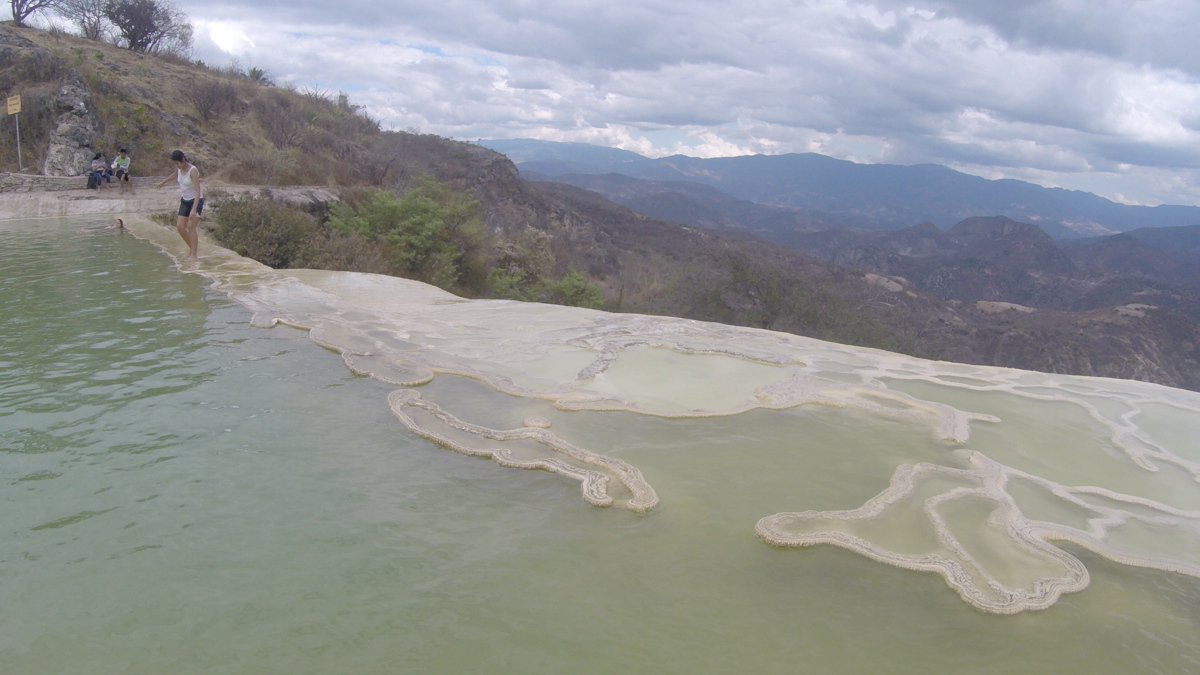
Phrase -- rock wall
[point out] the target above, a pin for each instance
(21, 183)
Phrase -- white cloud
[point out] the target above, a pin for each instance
(995, 87)
(228, 36)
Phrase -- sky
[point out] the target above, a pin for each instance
(1096, 95)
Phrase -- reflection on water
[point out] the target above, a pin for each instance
(185, 492)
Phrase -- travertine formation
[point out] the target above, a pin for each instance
(1015, 568)
(984, 514)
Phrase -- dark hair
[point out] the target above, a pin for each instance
(122, 149)
(178, 156)
(97, 156)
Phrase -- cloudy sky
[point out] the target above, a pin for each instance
(1100, 95)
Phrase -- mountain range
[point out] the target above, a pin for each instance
(824, 191)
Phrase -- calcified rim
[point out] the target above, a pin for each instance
(594, 482)
(814, 382)
(960, 569)
(1124, 434)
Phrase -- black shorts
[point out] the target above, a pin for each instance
(121, 173)
(185, 207)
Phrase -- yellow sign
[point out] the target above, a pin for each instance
(14, 105)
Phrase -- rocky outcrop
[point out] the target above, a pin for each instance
(9, 40)
(70, 149)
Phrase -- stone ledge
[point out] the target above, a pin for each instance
(21, 182)
(143, 199)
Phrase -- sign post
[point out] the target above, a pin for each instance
(14, 108)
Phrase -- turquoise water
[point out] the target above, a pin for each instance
(185, 493)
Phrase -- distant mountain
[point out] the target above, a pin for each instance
(1178, 241)
(700, 205)
(894, 195)
(1167, 255)
(562, 158)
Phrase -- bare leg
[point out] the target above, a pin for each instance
(194, 241)
(187, 230)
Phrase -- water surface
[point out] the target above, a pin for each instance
(184, 492)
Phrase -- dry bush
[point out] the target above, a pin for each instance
(276, 167)
(38, 66)
(374, 165)
(529, 251)
(315, 139)
(254, 167)
(282, 120)
(37, 120)
(346, 119)
(298, 168)
(283, 236)
(348, 252)
(213, 98)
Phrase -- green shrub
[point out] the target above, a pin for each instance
(269, 232)
(575, 290)
(432, 234)
(511, 285)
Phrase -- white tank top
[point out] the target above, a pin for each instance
(187, 186)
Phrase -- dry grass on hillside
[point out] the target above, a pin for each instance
(235, 128)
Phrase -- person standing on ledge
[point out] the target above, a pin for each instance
(191, 201)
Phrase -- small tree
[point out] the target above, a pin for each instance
(21, 9)
(150, 26)
(213, 98)
(87, 15)
(282, 121)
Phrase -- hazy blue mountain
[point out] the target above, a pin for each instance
(700, 205)
(1179, 241)
(564, 157)
(897, 196)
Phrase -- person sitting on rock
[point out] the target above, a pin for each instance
(120, 165)
(97, 171)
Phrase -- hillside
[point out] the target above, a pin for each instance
(84, 96)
